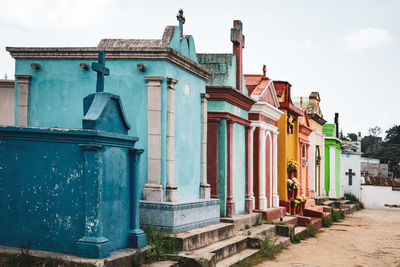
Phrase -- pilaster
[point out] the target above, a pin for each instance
(153, 190)
(262, 177)
(93, 244)
(252, 198)
(249, 170)
(332, 171)
(230, 205)
(275, 196)
(171, 188)
(212, 156)
(23, 87)
(205, 189)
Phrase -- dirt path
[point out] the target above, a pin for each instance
(367, 238)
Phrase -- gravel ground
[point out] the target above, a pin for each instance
(369, 237)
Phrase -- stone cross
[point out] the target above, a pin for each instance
(237, 39)
(350, 173)
(181, 20)
(101, 70)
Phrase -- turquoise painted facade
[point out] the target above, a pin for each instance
(331, 140)
(55, 88)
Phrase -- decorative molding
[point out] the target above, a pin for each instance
(291, 107)
(219, 115)
(90, 53)
(303, 129)
(230, 95)
(266, 110)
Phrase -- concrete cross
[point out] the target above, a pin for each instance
(350, 173)
(101, 70)
(181, 20)
(237, 39)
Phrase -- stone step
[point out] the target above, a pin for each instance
(243, 221)
(288, 220)
(336, 198)
(327, 209)
(229, 261)
(283, 240)
(321, 199)
(350, 208)
(204, 236)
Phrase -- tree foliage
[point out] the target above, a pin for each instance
(393, 135)
(352, 136)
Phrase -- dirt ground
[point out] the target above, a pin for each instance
(369, 237)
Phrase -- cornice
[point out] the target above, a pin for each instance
(266, 110)
(230, 95)
(303, 129)
(317, 119)
(291, 107)
(219, 115)
(90, 53)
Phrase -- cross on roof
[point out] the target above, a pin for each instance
(237, 36)
(181, 20)
(350, 173)
(101, 70)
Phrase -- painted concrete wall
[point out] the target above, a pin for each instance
(44, 202)
(222, 166)
(377, 196)
(336, 144)
(288, 148)
(353, 162)
(7, 102)
(239, 168)
(316, 172)
(60, 84)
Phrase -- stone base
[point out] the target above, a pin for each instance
(136, 239)
(93, 247)
(170, 217)
(263, 203)
(272, 213)
(230, 209)
(275, 201)
(153, 192)
(172, 193)
(332, 194)
(248, 206)
(205, 191)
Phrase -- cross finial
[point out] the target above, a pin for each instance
(181, 20)
(101, 70)
(237, 38)
(5, 76)
(264, 71)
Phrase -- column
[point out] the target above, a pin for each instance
(93, 244)
(275, 196)
(153, 190)
(230, 205)
(23, 84)
(249, 170)
(252, 198)
(301, 167)
(171, 188)
(312, 165)
(332, 172)
(205, 190)
(136, 236)
(212, 156)
(306, 174)
(322, 171)
(262, 177)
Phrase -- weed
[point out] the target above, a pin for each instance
(307, 233)
(274, 222)
(337, 215)
(354, 200)
(326, 221)
(269, 250)
(161, 245)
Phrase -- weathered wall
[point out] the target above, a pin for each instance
(7, 102)
(43, 202)
(239, 167)
(377, 196)
(222, 166)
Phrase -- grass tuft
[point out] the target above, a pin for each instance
(354, 200)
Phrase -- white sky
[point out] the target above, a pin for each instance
(348, 50)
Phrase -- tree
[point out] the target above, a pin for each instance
(352, 136)
(393, 135)
(375, 131)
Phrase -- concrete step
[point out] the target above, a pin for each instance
(204, 236)
(283, 240)
(316, 222)
(298, 230)
(260, 230)
(336, 198)
(321, 199)
(288, 220)
(243, 221)
(229, 261)
(350, 208)
(327, 209)
(162, 264)
(328, 203)
(211, 254)
(272, 213)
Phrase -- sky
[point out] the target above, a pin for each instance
(347, 50)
